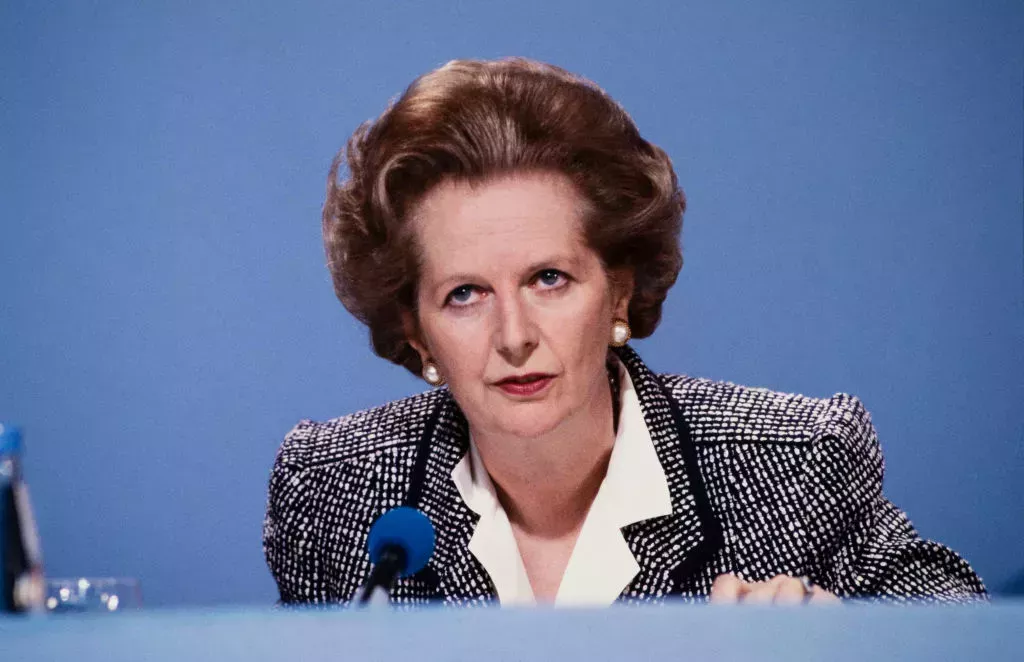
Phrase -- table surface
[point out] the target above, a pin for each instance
(848, 632)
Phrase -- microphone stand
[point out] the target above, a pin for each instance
(376, 592)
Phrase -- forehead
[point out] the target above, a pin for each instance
(499, 223)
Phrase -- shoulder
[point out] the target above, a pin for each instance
(330, 479)
(810, 457)
(723, 412)
(363, 434)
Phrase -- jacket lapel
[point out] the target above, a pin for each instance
(670, 549)
(453, 574)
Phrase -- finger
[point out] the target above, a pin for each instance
(760, 594)
(820, 596)
(727, 589)
(791, 591)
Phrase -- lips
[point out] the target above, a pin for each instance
(525, 385)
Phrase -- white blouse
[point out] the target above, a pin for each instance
(601, 566)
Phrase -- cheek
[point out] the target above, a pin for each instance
(460, 345)
(580, 333)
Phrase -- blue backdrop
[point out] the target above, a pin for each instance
(854, 172)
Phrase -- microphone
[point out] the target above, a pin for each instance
(400, 544)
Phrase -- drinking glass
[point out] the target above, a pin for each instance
(92, 594)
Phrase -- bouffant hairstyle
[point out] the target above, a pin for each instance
(470, 120)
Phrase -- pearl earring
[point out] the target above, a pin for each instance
(621, 333)
(431, 374)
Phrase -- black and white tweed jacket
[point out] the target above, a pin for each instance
(762, 483)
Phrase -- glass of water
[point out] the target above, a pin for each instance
(92, 594)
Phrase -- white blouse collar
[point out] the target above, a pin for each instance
(601, 566)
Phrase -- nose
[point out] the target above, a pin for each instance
(516, 333)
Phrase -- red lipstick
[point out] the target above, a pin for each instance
(525, 385)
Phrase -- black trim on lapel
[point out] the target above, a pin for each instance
(419, 470)
(714, 538)
(674, 547)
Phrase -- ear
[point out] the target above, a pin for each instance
(411, 328)
(622, 283)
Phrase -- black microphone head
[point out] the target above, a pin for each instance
(408, 529)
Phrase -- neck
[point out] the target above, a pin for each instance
(546, 484)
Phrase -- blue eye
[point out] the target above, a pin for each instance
(461, 295)
(550, 278)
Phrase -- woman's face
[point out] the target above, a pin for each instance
(514, 308)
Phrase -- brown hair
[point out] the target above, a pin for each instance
(470, 120)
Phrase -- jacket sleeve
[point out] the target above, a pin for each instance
(289, 537)
(877, 553)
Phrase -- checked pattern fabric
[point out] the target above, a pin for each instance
(762, 483)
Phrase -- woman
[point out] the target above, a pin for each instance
(504, 229)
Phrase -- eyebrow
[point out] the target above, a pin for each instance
(572, 261)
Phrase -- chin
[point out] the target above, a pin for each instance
(527, 423)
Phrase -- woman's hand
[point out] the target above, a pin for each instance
(779, 590)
